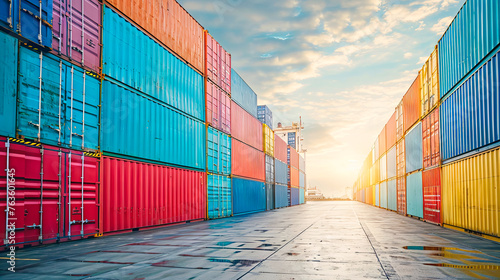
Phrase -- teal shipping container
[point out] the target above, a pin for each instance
(269, 169)
(301, 196)
(60, 107)
(413, 146)
(302, 179)
(280, 172)
(391, 163)
(270, 200)
(377, 195)
(280, 196)
(133, 58)
(383, 195)
(8, 84)
(136, 126)
(219, 196)
(242, 94)
(472, 36)
(414, 195)
(218, 152)
(392, 195)
(248, 196)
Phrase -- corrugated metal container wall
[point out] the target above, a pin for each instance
(390, 131)
(280, 149)
(280, 196)
(375, 173)
(268, 140)
(377, 195)
(470, 193)
(392, 195)
(414, 195)
(413, 151)
(218, 63)
(67, 39)
(242, 94)
(302, 163)
(382, 142)
(8, 84)
(54, 114)
(294, 196)
(430, 141)
(400, 131)
(169, 23)
(218, 108)
(281, 172)
(134, 125)
(302, 179)
(401, 188)
(218, 152)
(138, 194)
(269, 196)
(219, 196)
(363, 196)
(470, 118)
(477, 26)
(376, 153)
(383, 195)
(383, 168)
(269, 169)
(294, 157)
(133, 58)
(431, 182)
(245, 128)
(391, 163)
(265, 115)
(411, 104)
(294, 176)
(246, 161)
(301, 196)
(248, 196)
(400, 158)
(429, 81)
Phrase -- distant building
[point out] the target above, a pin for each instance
(291, 135)
(314, 193)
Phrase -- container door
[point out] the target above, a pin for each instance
(35, 21)
(225, 112)
(225, 154)
(213, 196)
(213, 151)
(213, 95)
(226, 201)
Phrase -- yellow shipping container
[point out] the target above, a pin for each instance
(471, 193)
(429, 81)
(375, 173)
(268, 138)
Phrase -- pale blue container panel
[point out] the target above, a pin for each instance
(414, 195)
(8, 84)
(280, 172)
(270, 200)
(219, 196)
(302, 179)
(392, 195)
(269, 169)
(242, 94)
(280, 196)
(383, 195)
(301, 196)
(413, 152)
(265, 115)
(391, 163)
(248, 196)
(294, 196)
(218, 152)
(377, 193)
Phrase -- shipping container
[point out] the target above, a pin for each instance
(133, 58)
(383, 195)
(280, 196)
(431, 182)
(400, 158)
(32, 20)
(411, 105)
(375, 173)
(242, 94)
(383, 168)
(218, 108)
(247, 161)
(294, 196)
(56, 192)
(414, 195)
(58, 103)
(302, 163)
(473, 34)
(280, 149)
(168, 23)
(390, 131)
(139, 194)
(265, 115)
(268, 140)
(8, 84)
(219, 196)
(376, 153)
(245, 127)
(363, 195)
(392, 195)
(382, 142)
(401, 189)
(413, 145)
(302, 179)
(430, 139)
(218, 152)
(470, 193)
(469, 117)
(294, 177)
(293, 157)
(248, 196)
(270, 196)
(269, 169)
(302, 199)
(281, 172)
(218, 63)
(76, 32)
(289, 196)
(377, 195)
(429, 81)
(134, 125)
(391, 163)
(400, 131)
(292, 139)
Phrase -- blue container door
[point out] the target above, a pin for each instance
(413, 146)
(225, 154)
(219, 196)
(248, 196)
(213, 150)
(392, 195)
(280, 196)
(414, 195)
(8, 10)
(34, 23)
(294, 194)
(270, 196)
(377, 195)
(383, 195)
(302, 196)
(8, 83)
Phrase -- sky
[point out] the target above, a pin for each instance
(342, 65)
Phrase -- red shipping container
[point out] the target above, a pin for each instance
(294, 157)
(399, 121)
(247, 162)
(218, 108)
(138, 194)
(218, 63)
(400, 158)
(401, 189)
(294, 177)
(51, 202)
(430, 141)
(245, 127)
(411, 104)
(226, 71)
(382, 148)
(390, 131)
(280, 149)
(431, 182)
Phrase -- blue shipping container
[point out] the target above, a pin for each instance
(292, 139)
(414, 195)
(133, 58)
(392, 195)
(391, 163)
(28, 18)
(218, 152)
(67, 98)
(133, 125)
(302, 179)
(301, 196)
(377, 194)
(473, 34)
(383, 195)
(242, 94)
(8, 84)
(269, 169)
(265, 115)
(470, 117)
(270, 196)
(280, 196)
(280, 172)
(289, 196)
(294, 196)
(413, 145)
(248, 196)
(219, 196)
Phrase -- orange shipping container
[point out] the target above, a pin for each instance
(390, 131)
(293, 157)
(400, 158)
(294, 177)
(430, 135)
(169, 23)
(382, 148)
(280, 149)
(411, 105)
(399, 121)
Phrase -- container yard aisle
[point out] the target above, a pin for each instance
(319, 240)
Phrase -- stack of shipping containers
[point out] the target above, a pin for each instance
(293, 177)
(281, 173)
(265, 116)
(445, 133)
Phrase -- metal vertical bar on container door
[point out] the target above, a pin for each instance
(59, 175)
(60, 101)
(7, 146)
(40, 97)
(40, 236)
(83, 45)
(83, 205)
(59, 39)
(70, 31)
(40, 22)
(71, 114)
(83, 109)
(69, 195)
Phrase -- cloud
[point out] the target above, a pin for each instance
(441, 26)
(408, 55)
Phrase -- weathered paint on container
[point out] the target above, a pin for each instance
(301, 196)
(242, 94)
(280, 196)
(400, 158)
(377, 195)
(269, 169)
(265, 115)
(411, 104)
(430, 141)
(414, 155)
(8, 84)
(76, 32)
(138, 194)
(65, 110)
(302, 163)
(134, 125)
(170, 24)
(294, 177)
(414, 195)
(219, 196)
(392, 195)
(469, 117)
(245, 127)
(302, 179)
(218, 108)
(401, 189)
(268, 140)
(280, 149)
(470, 193)
(133, 58)
(429, 81)
(270, 196)
(382, 142)
(281, 172)
(294, 196)
(247, 161)
(248, 196)
(218, 63)
(383, 168)
(218, 152)
(390, 131)
(400, 131)
(472, 35)
(383, 195)
(293, 157)
(431, 182)
(391, 163)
